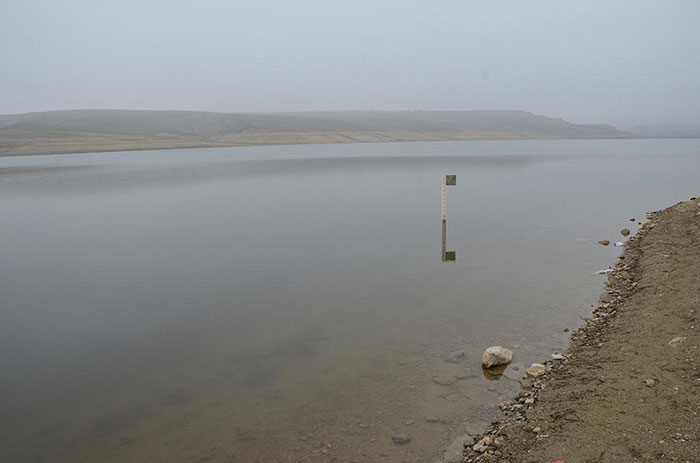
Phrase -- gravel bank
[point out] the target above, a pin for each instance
(628, 387)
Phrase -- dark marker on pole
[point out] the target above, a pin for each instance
(447, 180)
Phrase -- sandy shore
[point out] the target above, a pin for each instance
(17, 145)
(628, 387)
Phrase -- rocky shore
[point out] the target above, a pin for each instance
(628, 387)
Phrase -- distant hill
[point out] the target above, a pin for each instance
(109, 130)
(666, 131)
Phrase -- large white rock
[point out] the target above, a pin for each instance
(495, 356)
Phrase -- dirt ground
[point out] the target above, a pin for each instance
(628, 388)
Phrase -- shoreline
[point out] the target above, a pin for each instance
(628, 386)
(111, 145)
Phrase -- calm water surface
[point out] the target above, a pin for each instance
(290, 303)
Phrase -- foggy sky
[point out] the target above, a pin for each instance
(622, 62)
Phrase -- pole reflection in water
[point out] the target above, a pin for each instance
(447, 256)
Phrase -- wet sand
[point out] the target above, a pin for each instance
(628, 388)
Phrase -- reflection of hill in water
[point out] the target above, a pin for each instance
(82, 176)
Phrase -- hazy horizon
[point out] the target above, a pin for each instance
(624, 62)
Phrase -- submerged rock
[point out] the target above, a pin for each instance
(444, 380)
(496, 356)
(625, 232)
(435, 419)
(456, 356)
(604, 242)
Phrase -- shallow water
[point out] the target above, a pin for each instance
(290, 303)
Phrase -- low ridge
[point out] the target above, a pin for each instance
(109, 130)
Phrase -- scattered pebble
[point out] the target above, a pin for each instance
(536, 369)
(401, 439)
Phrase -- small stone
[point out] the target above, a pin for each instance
(649, 382)
(504, 404)
(409, 422)
(632, 219)
(432, 419)
(676, 341)
(456, 356)
(625, 232)
(536, 369)
(480, 447)
(495, 356)
(558, 357)
(401, 439)
(536, 429)
(604, 242)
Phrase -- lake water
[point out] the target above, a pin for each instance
(291, 303)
